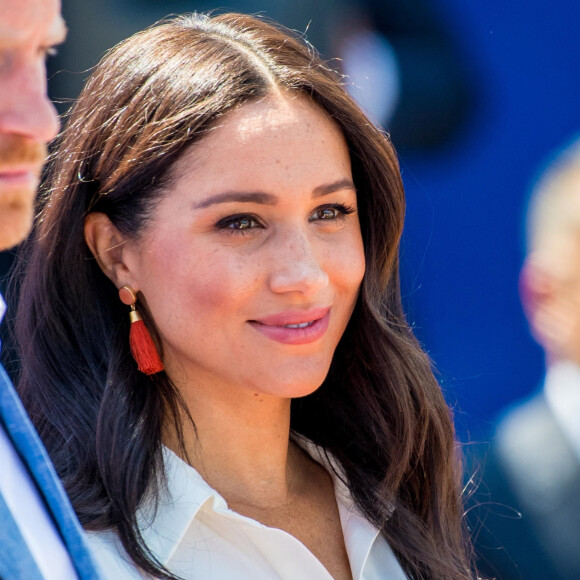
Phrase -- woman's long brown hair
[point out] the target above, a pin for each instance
(380, 411)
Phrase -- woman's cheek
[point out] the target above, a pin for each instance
(350, 261)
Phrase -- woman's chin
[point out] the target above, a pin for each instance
(298, 389)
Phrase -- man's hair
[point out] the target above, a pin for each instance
(554, 206)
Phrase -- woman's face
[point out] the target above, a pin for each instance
(252, 261)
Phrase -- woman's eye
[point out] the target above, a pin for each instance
(239, 223)
(331, 212)
(327, 213)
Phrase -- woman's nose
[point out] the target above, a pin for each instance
(297, 266)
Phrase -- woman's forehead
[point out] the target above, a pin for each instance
(273, 130)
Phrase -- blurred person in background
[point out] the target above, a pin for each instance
(40, 536)
(215, 180)
(403, 69)
(534, 465)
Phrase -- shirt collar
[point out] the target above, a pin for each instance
(562, 391)
(184, 493)
(562, 386)
(181, 495)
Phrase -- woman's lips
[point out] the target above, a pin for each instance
(294, 327)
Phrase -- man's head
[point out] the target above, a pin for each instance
(29, 29)
(550, 281)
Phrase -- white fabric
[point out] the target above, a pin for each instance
(562, 390)
(195, 535)
(2, 307)
(28, 511)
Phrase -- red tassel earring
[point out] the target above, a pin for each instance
(143, 348)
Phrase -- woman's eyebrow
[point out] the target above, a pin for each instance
(268, 198)
(333, 187)
(239, 196)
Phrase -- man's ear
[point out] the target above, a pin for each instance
(539, 296)
(107, 244)
(534, 285)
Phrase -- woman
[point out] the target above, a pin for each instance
(215, 178)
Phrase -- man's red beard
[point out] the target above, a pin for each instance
(17, 150)
(17, 200)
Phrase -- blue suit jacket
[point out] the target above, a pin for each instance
(16, 562)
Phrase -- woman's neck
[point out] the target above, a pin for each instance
(240, 445)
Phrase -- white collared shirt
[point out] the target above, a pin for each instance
(195, 535)
(562, 390)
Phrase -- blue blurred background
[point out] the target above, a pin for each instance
(483, 93)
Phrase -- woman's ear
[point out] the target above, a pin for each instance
(107, 244)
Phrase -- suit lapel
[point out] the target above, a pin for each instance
(34, 456)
